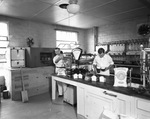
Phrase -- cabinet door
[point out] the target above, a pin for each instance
(96, 101)
(81, 101)
(124, 104)
(17, 54)
(142, 108)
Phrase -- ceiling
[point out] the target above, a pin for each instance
(92, 12)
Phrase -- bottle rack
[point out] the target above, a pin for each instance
(126, 52)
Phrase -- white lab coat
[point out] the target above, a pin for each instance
(102, 63)
(61, 86)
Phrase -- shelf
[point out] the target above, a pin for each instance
(128, 65)
(126, 52)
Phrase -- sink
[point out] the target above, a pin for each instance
(139, 90)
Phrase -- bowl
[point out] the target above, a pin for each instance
(102, 69)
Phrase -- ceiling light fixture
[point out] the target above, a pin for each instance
(63, 6)
(73, 7)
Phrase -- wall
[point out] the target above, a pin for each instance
(115, 32)
(89, 41)
(122, 31)
(44, 34)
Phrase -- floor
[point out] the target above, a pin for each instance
(38, 107)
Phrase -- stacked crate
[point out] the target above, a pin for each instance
(36, 81)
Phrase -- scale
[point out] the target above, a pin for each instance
(120, 78)
(77, 54)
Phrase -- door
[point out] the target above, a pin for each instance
(125, 104)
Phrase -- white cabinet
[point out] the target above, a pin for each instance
(142, 108)
(96, 100)
(92, 101)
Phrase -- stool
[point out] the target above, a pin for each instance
(6, 94)
(2, 83)
(70, 95)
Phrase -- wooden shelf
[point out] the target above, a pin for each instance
(128, 65)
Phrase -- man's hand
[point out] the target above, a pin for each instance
(61, 57)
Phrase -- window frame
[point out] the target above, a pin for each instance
(7, 37)
(69, 42)
(4, 41)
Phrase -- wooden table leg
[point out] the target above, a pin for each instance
(53, 89)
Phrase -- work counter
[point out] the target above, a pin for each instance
(94, 97)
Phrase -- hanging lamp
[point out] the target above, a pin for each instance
(73, 7)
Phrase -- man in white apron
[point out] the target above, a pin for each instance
(102, 62)
(60, 70)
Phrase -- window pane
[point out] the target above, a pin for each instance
(66, 40)
(66, 36)
(62, 44)
(3, 41)
(3, 29)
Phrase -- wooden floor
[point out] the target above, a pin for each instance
(38, 107)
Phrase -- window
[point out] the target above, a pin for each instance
(3, 29)
(66, 40)
(3, 40)
(3, 34)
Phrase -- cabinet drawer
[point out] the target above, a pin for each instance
(143, 105)
(18, 63)
(18, 86)
(16, 79)
(102, 92)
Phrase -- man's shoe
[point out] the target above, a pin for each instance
(60, 95)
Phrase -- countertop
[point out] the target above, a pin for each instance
(109, 86)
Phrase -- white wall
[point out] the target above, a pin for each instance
(116, 32)
(44, 34)
(89, 41)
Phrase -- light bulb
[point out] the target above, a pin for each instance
(73, 8)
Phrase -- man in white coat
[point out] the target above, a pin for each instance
(60, 69)
(102, 62)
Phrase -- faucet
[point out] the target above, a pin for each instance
(143, 65)
(130, 76)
